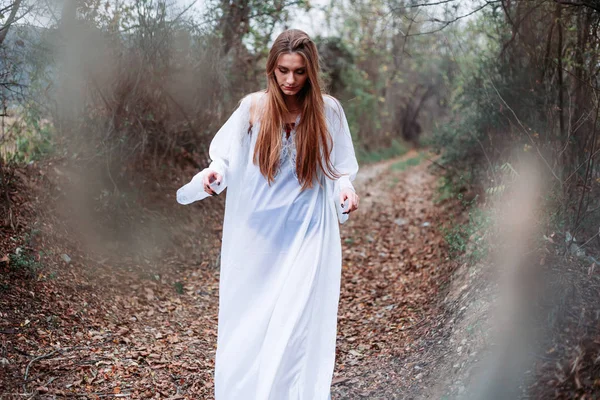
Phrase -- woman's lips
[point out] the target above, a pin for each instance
(289, 88)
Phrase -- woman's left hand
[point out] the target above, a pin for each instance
(352, 197)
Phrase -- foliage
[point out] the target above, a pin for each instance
(30, 137)
(23, 260)
(138, 62)
(468, 240)
(450, 186)
(525, 93)
(392, 85)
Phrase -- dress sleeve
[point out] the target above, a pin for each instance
(219, 152)
(343, 150)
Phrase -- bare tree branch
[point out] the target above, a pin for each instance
(10, 20)
(448, 22)
(594, 5)
(533, 144)
(436, 3)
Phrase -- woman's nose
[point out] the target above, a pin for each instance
(289, 79)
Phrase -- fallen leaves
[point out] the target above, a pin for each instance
(395, 262)
(128, 327)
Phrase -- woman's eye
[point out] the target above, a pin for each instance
(283, 71)
(300, 72)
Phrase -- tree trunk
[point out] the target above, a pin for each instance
(234, 23)
(562, 137)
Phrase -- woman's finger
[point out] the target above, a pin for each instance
(208, 179)
(208, 190)
(352, 199)
(352, 205)
(349, 209)
(343, 197)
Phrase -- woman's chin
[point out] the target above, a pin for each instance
(290, 92)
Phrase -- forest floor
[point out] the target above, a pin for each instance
(80, 322)
(93, 326)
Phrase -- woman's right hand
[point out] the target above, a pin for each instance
(210, 178)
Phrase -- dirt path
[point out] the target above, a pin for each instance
(153, 334)
(394, 265)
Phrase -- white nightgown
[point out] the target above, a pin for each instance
(280, 264)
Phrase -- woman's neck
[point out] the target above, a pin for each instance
(292, 103)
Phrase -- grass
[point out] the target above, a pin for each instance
(368, 157)
(411, 162)
(394, 181)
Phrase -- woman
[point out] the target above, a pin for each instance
(287, 158)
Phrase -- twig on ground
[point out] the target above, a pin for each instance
(34, 360)
(61, 351)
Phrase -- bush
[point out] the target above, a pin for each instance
(25, 261)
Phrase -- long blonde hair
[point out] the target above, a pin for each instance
(313, 141)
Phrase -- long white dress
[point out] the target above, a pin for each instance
(280, 264)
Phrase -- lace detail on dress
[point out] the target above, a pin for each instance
(288, 147)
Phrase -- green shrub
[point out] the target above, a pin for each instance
(23, 260)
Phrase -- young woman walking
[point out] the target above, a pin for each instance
(287, 159)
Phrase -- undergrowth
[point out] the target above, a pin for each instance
(30, 137)
(468, 240)
(23, 258)
(395, 150)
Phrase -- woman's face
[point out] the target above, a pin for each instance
(290, 73)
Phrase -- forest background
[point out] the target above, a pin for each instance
(125, 95)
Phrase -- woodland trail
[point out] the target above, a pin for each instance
(395, 264)
(122, 333)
